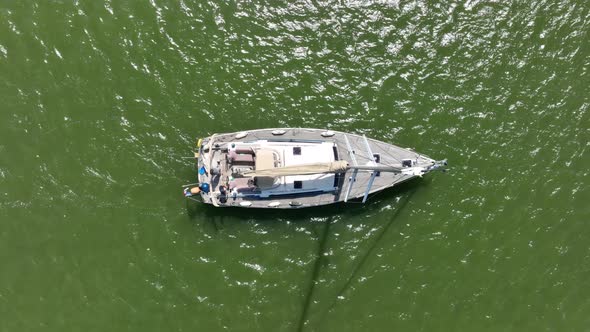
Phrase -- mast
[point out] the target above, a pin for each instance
(319, 168)
(378, 168)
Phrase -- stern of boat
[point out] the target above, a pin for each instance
(200, 190)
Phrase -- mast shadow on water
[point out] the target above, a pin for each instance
(407, 190)
(221, 219)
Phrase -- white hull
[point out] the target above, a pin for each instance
(290, 168)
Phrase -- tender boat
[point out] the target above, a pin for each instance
(289, 168)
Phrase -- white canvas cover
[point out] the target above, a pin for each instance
(304, 169)
(265, 159)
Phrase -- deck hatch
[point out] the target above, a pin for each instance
(377, 158)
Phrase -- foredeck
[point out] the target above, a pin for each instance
(355, 149)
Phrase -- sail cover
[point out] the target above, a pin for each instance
(303, 169)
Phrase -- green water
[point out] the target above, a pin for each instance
(101, 101)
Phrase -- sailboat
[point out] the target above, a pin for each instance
(289, 168)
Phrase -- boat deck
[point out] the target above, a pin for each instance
(349, 147)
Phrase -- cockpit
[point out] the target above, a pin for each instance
(242, 159)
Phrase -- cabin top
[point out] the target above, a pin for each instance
(262, 155)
